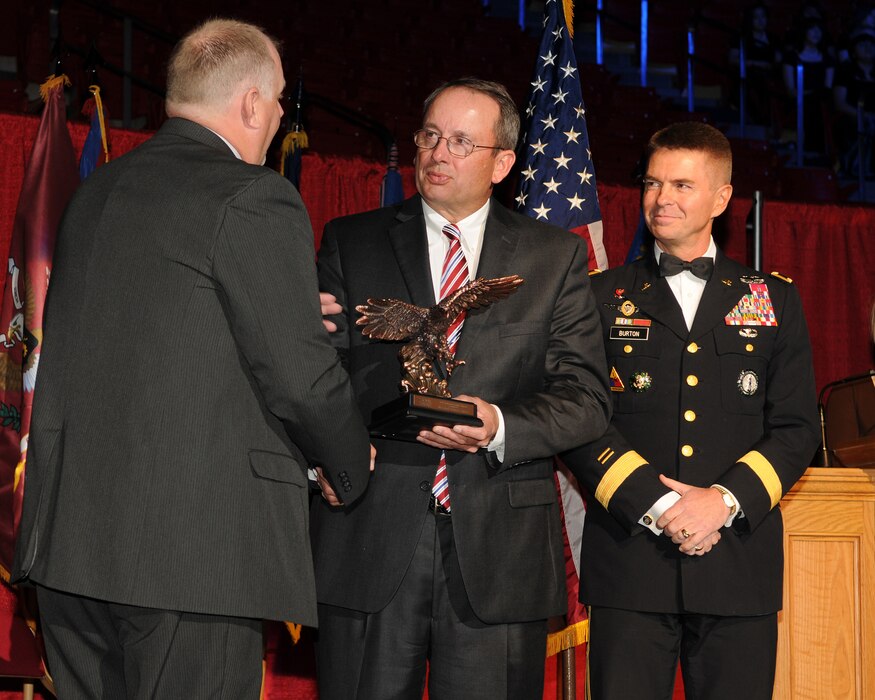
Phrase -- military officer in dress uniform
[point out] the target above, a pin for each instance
(714, 420)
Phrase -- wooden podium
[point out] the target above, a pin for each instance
(826, 632)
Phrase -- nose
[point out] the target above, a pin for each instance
(441, 152)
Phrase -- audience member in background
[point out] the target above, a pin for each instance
(810, 49)
(854, 104)
(863, 20)
(762, 59)
(185, 383)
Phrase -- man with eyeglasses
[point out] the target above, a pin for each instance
(463, 578)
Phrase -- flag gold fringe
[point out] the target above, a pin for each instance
(51, 83)
(293, 141)
(568, 6)
(294, 631)
(572, 636)
(98, 103)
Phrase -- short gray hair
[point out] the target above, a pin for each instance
(209, 63)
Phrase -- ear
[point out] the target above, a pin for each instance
(503, 163)
(721, 200)
(250, 111)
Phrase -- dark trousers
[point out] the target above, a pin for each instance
(635, 655)
(104, 650)
(428, 624)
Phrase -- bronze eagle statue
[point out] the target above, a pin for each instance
(426, 329)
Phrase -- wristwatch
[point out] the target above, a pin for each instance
(728, 499)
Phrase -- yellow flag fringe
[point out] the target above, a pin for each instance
(294, 631)
(51, 83)
(568, 6)
(98, 104)
(572, 636)
(292, 142)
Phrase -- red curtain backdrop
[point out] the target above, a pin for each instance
(828, 250)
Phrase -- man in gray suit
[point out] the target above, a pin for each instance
(185, 385)
(466, 581)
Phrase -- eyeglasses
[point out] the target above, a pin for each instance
(458, 146)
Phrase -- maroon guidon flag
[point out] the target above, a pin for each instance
(50, 178)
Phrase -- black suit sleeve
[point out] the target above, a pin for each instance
(574, 405)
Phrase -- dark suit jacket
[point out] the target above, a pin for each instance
(185, 382)
(536, 355)
(740, 398)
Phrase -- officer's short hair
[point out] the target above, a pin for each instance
(694, 136)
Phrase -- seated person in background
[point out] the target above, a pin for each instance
(762, 58)
(810, 49)
(854, 104)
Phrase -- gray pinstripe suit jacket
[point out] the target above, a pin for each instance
(185, 383)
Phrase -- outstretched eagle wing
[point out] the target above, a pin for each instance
(390, 319)
(480, 292)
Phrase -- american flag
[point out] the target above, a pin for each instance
(557, 180)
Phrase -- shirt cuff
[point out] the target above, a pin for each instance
(497, 444)
(738, 511)
(655, 511)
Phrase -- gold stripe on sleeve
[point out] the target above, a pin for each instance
(766, 472)
(617, 474)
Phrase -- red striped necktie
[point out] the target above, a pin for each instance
(453, 275)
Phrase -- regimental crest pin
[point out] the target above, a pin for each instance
(748, 382)
(616, 382)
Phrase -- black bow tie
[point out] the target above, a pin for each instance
(670, 265)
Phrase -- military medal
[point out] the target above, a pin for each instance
(641, 382)
(748, 382)
(627, 308)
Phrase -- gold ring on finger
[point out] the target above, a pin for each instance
(685, 533)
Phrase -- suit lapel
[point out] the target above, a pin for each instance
(652, 294)
(721, 294)
(410, 244)
(500, 242)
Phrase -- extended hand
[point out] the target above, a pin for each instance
(464, 437)
(328, 492)
(330, 307)
(695, 520)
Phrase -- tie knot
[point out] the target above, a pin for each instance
(670, 265)
(452, 232)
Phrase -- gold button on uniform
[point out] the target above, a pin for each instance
(627, 349)
(748, 347)
(692, 379)
(689, 416)
(692, 347)
(687, 450)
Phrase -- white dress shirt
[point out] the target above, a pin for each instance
(471, 229)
